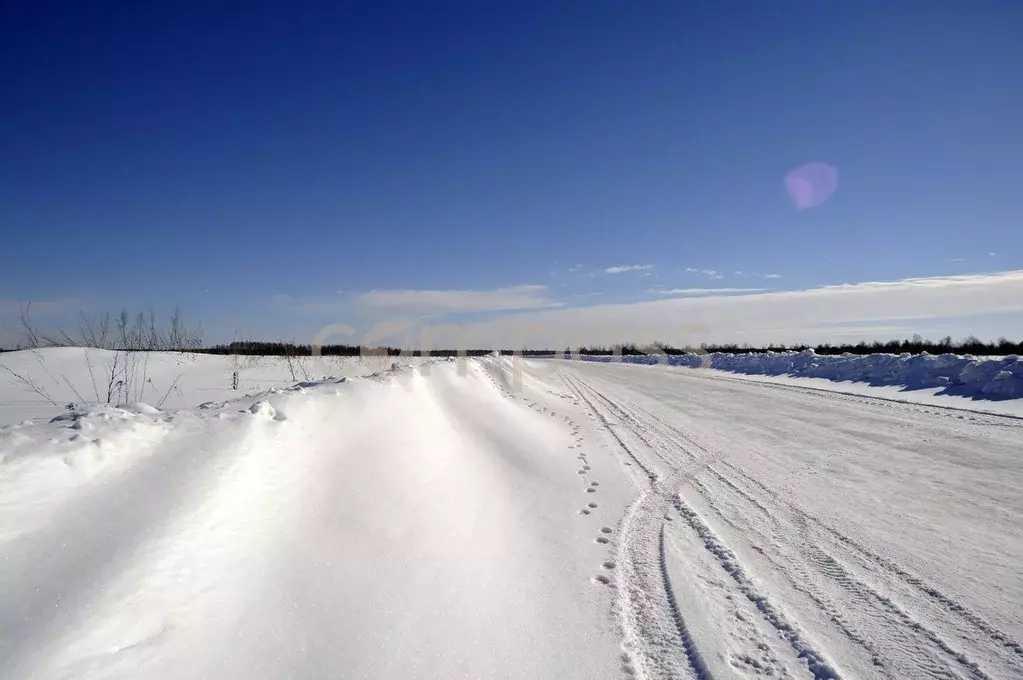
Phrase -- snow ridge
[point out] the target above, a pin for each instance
(975, 377)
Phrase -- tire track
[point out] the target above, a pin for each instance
(800, 579)
(958, 609)
(652, 476)
(818, 666)
(893, 570)
(695, 658)
(916, 640)
(660, 438)
(653, 624)
(801, 517)
(908, 632)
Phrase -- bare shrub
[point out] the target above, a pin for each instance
(294, 360)
(29, 384)
(124, 374)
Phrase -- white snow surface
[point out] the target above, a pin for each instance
(72, 375)
(502, 518)
(988, 378)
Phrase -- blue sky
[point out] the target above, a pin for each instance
(274, 167)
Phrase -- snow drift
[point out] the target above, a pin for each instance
(967, 376)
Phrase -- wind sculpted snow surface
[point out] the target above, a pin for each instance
(503, 518)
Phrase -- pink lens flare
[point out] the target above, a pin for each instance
(811, 184)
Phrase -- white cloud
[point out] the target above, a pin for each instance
(957, 259)
(712, 273)
(575, 268)
(705, 291)
(453, 301)
(412, 302)
(621, 269)
(785, 316)
(772, 276)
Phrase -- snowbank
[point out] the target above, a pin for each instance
(389, 526)
(992, 378)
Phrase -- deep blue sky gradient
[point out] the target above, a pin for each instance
(217, 154)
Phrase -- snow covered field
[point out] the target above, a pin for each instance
(503, 518)
(174, 380)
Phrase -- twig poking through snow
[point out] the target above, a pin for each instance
(174, 384)
(29, 383)
(81, 399)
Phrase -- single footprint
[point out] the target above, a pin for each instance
(590, 489)
(582, 472)
(584, 511)
(594, 483)
(608, 565)
(591, 505)
(603, 580)
(606, 530)
(586, 467)
(602, 539)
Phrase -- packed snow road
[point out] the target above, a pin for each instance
(503, 518)
(802, 531)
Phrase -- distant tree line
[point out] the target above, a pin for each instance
(914, 345)
(260, 348)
